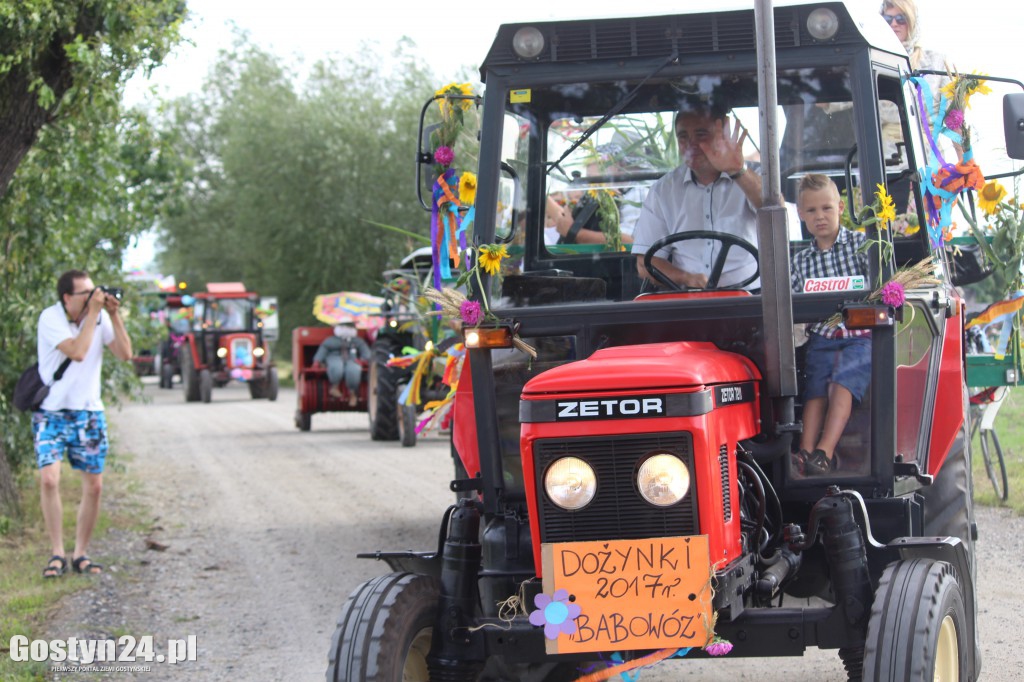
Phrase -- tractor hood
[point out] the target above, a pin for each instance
(677, 365)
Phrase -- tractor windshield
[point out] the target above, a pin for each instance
(578, 211)
(572, 280)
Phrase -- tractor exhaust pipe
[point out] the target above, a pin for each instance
(456, 653)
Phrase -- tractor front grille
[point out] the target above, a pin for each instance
(617, 510)
(723, 465)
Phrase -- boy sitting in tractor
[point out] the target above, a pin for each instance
(838, 361)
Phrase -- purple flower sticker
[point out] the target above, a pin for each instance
(719, 647)
(893, 294)
(471, 312)
(556, 613)
(444, 156)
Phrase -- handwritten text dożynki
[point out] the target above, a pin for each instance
(657, 557)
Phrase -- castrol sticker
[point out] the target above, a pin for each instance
(817, 285)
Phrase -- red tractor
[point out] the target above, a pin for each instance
(228, 341)
(635, 491)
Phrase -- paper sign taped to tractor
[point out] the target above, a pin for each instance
(633, 594)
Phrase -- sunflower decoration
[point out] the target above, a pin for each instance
(990, 196)
(1000, 233)
(454, 193)
(462, 311)
(490, 257)
(882, 214)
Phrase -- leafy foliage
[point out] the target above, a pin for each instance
(68, 60)
(286, 180)
(94, 177)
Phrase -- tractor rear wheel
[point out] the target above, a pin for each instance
(382, 400)
(205, 385)
(385, 630)
(189, 377)
(918, 626)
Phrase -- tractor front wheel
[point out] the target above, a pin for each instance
(385, 631)
(918, 625)
(166, 375)
(189, 377)
(407, 425)
(205, 385)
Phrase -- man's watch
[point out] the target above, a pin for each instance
(737, 174)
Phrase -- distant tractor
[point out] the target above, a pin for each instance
(228, 341)
(312, 390)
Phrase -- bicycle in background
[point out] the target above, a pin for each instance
(985, 406)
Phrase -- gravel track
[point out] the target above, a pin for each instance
(261, 525)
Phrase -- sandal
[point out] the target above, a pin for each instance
(52, 571)
(90, 567)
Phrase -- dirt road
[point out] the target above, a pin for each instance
(261, 525)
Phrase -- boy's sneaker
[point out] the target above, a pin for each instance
(799, 460)
(817, 464)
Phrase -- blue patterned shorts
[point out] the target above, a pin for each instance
(80, 433)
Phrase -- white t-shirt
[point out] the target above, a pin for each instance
(79, 388)
(676, 203)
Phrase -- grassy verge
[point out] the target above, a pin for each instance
(1010, 427)
(26, 599)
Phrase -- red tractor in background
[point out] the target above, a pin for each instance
(229, 340)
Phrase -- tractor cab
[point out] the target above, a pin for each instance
(228, 340)
(630, 442)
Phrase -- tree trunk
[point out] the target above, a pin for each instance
(10, 501)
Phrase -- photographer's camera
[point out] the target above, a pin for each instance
(116, 292)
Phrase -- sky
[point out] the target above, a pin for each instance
(975, 37)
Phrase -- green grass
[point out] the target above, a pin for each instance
(27, 600)
(1010, 427)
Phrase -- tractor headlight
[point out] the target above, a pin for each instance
(222, 352)
(570, 483)
(528, 42)
(663, 479)
(823, 24)
(258, 351)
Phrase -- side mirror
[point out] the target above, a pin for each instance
(1013, 124)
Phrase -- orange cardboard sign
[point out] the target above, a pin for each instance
(632, 594)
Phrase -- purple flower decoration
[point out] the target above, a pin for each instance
(444, 156)
(954, 119)
(719, 647)
(555, 613)
(471, 312)
(893, 294)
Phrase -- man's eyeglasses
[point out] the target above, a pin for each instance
(900, 19)
(80, 293)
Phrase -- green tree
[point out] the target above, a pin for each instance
(285, 177)
(79, 177)
(65, 59)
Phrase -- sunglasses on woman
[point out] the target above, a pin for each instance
(898, 18)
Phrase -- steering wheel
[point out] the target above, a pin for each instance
(726, 240)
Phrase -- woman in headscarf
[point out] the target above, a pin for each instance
(902, 17)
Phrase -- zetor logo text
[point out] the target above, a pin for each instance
(818, 284)
(611, 407)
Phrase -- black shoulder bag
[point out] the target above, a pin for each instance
(31, 390)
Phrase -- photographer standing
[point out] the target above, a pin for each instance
(71, 418)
